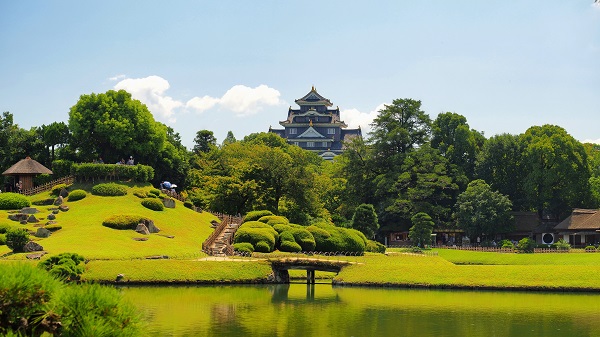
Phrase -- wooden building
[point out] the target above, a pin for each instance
(24, 171)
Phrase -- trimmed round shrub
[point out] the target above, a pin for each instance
(286, 236)
(57, 188)
(43, 202)
(188, 204)
(53, 227)
(263, 247)
(243, 247)
(274, 219)
(590, 249)
(154, 191)
(254, 232)
(255, 215)
(280, 228)
(304, 239)
(11, 200)
(153, 204)
(2, 239)
(526, 245)
(375, 247)
(109, 190)
(123, 221)
(76, 195)
(290, 246)
(16, 239)
(6, 227)
(140, 193)
(339, 239)
(257, 224)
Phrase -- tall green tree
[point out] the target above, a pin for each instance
(230, 138)
(482, 211)
(53, 135)
(204, 141)
(112, 125)
(421, 230)
(365, 220)
(558, 171)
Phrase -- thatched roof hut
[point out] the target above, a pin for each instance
(25, 170)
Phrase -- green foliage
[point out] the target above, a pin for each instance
(43, 202)
(365, 220)
(290, 246)
(329, 238)
(11, 200)
(188, 204)
(57, 188)
(590, 248)
(90, 171)
(53, 227)
(153, 204)
(526, 245)
(65, 266)
(263, 247)
(286, 236)
(16, 239)
(420, 232)
(77, 195)
(255, 215)
(506, 244)
(5, 227)
(154, 191)
(61, 168)
(254, 232)
(563, 245)
(375, 247)
(95, 310)
(274, 219)
(2, 239)
(123, 221)
(109, 189)
(304, 238)
(27, 294)
(243, 247)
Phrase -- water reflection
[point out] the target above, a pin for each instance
(323, 310)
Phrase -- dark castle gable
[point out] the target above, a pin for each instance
(315, 126)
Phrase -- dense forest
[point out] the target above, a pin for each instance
(408, 164)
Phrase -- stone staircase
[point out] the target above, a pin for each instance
(220, 241)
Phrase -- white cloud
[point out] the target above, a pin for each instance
(355, 118)
(593, 141)
(117, 77)
(242, 100)
(151, 91)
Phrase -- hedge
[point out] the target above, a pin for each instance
(255, 215)
(57, 188)
(375, 247)
(61, 168)
(2, 239)
(339, 239)
(263, 247)
(77, 195)
(4, 227)
(274, 219)
(253, 232)
(109, 189)
(243, 247)
(153, 204)
(304, 239)
(90, 171)
(11, 200)
(290, 246)
(123, 221)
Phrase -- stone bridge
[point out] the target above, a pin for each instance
(282, 266)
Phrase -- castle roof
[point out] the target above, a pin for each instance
(313, 98)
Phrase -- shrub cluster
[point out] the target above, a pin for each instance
(89, 171)
(65, 266)
(188, 204)
(11, 200)
(243, 247)
(57, 188)
(155, 192)
(5, 227)
(255, 215)
(123, 221)
(153, 204)
(337, 239)
(44, 202)
(375, 247)
(109, 189)
(274, 220)
(77, 195)
(16, 239)
(2, 239)
(526, 245)
(262, 236)
(61, 168)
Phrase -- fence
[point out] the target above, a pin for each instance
(48, 186)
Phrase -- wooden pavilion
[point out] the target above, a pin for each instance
(25, 170)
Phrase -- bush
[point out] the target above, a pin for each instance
(57, 188)
(140, 193)
(280, 228)
(506, 244)
(77, 195)
(61, 168)
(375, 247)
(154, 191)
(243, 247)
(274, 219)
(526, 245)
(263, 247)
(286, 236)
(2, 239)
(255, 215)
(4, 227)
(65, 266)
(304, 239)
(188, 204)
(11, 200)
(563, 245)
(290, 246)
(16, 239)
(329, 238)
(44, 202)
(53, 227)
(123, 221)
(590, 249)
(254, 232)
(153, 204)
(109, 189)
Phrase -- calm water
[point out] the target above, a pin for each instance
(323, 310)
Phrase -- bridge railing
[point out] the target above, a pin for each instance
(49, 185)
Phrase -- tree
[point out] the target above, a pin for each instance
(482, 211)
(112, 125)
(500, 163)
(365, 220)
(420, 232)
(230, 138)
(558, 171)
(54, 134)
(204, 141)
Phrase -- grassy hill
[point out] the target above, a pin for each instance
(83, 233)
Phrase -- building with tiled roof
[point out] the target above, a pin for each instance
(316, 127)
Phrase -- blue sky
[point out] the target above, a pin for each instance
(238, 65)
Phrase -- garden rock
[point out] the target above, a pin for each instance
(23, 222)
(169, 203)
(50, 222)
(58, 201)
(55, 211)
(151, 227)
(17, 217)
(64, 193)
(32, 219)
(43, 233)
(29, 210)
(32, 247)
(142, 229)
(140, 239)
(35, 256)
(51, 216)
(63, 208)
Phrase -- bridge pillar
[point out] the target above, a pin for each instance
(281, 275)
(310, 276)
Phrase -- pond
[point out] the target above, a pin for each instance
(323, 310)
